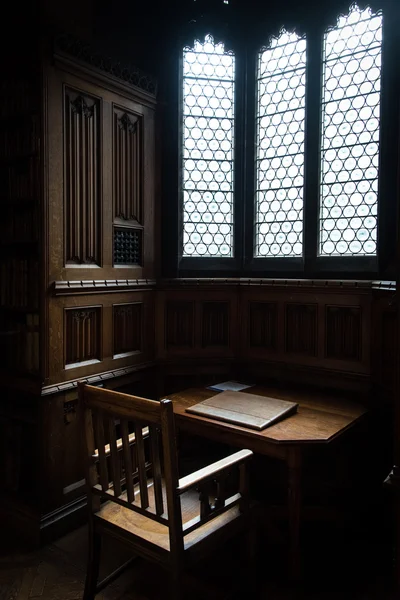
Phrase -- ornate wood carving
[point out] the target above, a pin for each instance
(128, 327)
(215, 324)
(263, 325)
(128, 166)
(343, 332)
(127, 246)
(82, 335)
(68, 44)
(179, 324)
(301, 329)
(82, 179)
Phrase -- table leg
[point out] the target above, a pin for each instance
(294, 464)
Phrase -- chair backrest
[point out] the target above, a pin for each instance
(127, 439)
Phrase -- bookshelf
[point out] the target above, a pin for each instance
(19, 226)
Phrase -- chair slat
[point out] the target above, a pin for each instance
(127, 460)
(144, 496)
(116, 471)
(102, 453)
(157, 476)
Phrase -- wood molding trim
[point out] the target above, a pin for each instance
(95, 379)
(65, 288)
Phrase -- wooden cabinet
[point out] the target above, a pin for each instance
(77, 261)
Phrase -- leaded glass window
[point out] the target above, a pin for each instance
(280, 147)
(280, 151)
(350, 135)
(208, 144)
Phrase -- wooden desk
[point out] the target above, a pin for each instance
(321, 418)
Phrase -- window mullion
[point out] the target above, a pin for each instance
(249, 137)
(239, 154)
(312, 147)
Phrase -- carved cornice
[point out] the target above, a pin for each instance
(81, 51)
(63, 288)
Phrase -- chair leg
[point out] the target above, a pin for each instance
(92, 573)
(176, 582)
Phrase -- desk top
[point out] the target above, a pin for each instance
(321, 417)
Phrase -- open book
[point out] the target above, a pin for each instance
(246, 410)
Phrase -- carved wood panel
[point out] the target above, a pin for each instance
(343, 332)
(128, 166)
(301, 329)
(82, 335)
(82, 178)
(179, 324)
(128, 328)
(215, 324)
(263, 325)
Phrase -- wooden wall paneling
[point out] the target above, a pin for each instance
(82, 172)
(263, 326)
(82, 335)
(73, 476)
(88, 343)
(128, 166)
(179, 325)
(128, 325)
(260, 325)
(301, 328)
(384, 344)
(68, 92)
(347, 338)
(216, 326)
(52, 444)
(343, 332)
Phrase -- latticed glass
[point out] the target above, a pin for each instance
(280, 147)
(208, 135)
(350, 135)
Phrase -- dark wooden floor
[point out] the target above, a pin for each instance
(357, 570)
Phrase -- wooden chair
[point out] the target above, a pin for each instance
(135, 494)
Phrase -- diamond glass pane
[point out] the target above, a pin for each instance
(350, 136)
(208, 129)
(280, 147)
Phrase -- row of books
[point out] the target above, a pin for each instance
(19, 344)
(21, 140)
(19, 226)
(20, 181)
(18, 97)
(19, 285)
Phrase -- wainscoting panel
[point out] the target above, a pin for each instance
(127, 328)
(304, 325)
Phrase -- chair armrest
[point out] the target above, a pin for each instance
(186, 483)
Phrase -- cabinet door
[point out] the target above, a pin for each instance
(98, 226)
(100, 149)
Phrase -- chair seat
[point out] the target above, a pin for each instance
(156, 533)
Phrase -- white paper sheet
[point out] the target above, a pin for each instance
(232, 386)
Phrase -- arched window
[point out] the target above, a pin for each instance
(350, 135)
(208, 138)
(281, 168)
(281, 91)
